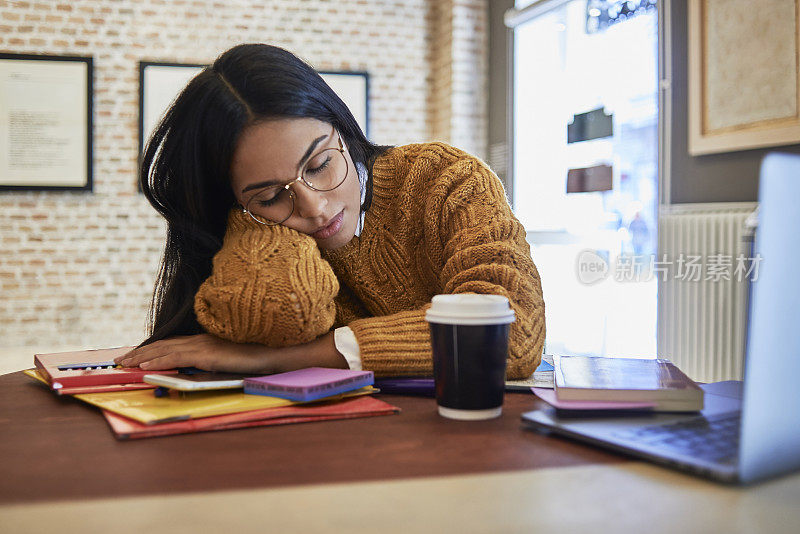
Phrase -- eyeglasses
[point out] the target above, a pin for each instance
(325, 171)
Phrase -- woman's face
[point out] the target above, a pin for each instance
(273, 153)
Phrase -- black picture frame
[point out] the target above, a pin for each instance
(144, 68)
(9, 61)
(362, 107)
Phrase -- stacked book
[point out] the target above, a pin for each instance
(140, 404)
(588, 383)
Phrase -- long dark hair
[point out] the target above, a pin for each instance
(185, 172)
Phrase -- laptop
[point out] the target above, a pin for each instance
(749, 430)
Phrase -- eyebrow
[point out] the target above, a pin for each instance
(307, 155)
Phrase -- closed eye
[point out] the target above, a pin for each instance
(268, 202)
(267, 197)
(319, 168)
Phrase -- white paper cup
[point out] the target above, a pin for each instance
(469, 337)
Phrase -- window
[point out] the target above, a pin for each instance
(585, 161)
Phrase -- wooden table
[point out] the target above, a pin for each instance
(61, 466)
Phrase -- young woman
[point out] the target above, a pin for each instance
(292, 241)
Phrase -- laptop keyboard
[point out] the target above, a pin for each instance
(714, 439)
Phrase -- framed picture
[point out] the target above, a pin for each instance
(45, 122)
(159, 85)
(744, 84)
(353, 88)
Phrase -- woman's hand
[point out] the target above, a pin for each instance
(211, 353)
(203, 351)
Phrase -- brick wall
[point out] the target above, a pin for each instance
(77, 269)
(459, 91)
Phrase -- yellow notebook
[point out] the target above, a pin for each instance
(146, 408)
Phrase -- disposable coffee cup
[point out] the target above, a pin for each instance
(469, 336)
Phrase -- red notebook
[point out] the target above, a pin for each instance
(365, 406)
(83, 368)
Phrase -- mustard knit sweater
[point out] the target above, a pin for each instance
(439, 223)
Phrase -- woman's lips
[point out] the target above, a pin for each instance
(331, 229)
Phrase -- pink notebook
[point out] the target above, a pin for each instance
(549, 396)
(90, 368)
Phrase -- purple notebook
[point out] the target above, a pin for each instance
(308, 384)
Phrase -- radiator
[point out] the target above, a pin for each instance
(701, 323)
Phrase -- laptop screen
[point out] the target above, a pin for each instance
(770, 439)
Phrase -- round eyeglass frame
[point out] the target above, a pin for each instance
(341, 149)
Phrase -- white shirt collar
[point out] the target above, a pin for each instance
(363, 175)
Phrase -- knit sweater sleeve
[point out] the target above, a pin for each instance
(269, 285)
(483, 250)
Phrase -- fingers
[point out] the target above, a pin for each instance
(119, 359)
(176, 350)
(203, 351)
(138, 355)
(168, 361)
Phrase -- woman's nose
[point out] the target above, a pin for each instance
(308, 203)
